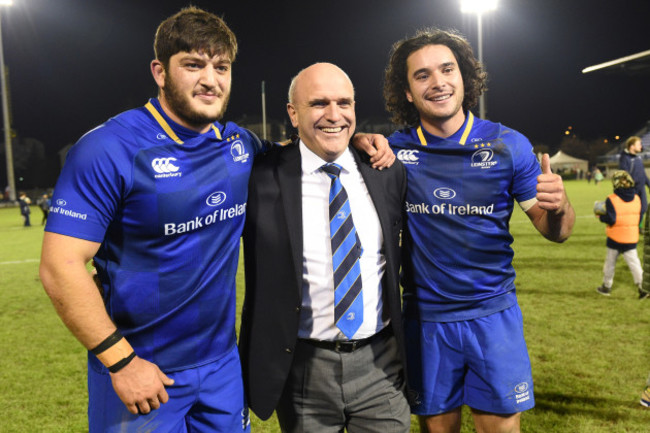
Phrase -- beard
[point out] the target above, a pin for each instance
(180, 105)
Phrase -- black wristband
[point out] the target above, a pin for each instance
(121, 364)
(108, 342)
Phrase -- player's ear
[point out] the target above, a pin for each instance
(158, 72)
(409, 97)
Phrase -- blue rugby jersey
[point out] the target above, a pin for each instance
(167, 205)
(460, 196)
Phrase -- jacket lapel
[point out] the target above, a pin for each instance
(289, 174)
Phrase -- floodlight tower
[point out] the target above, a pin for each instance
(479, 7)
(5, 112)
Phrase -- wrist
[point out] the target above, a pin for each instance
(114, 352)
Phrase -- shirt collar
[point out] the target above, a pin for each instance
(312, 163)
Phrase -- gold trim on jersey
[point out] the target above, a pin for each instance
(468, 128)
(463, 138)
(423, 142)
(168, 129)
(216, 132)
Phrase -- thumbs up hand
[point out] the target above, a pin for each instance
(550, 189)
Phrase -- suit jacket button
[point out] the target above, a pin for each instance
(287, 350)
(297, 309)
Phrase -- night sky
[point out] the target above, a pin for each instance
(75, 63)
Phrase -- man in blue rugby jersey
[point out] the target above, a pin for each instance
(464, 329)
(157, 197)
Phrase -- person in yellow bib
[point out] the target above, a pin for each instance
(622, 214)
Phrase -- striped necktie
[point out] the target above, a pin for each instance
(346, 251)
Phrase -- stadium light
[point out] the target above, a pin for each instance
(479, 7)
(5, 112)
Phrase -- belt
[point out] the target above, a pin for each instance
(348, 345)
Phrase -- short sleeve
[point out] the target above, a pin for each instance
(91, 186)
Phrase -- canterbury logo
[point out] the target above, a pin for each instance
(164, 165)
(408, 156)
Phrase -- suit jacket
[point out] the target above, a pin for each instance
(273, 253)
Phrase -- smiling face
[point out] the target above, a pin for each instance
(435, 87)
(322, 108)
(194, 88)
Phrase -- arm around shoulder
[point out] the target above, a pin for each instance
(377, 148)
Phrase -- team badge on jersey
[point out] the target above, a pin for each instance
(483, 158)
(237, 149)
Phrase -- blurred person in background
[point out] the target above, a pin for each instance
(44, 203)
(24, 202)
(631, 161)
(621, 214)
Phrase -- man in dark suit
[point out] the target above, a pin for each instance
(324, 356)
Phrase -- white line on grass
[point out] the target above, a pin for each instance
(17, 262)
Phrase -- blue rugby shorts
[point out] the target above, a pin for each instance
(482, 363)
(208, 398)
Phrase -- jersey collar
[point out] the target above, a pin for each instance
(168, 129)
(467, 128)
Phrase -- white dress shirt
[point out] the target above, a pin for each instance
(317, 315)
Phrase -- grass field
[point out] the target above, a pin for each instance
(589, 353)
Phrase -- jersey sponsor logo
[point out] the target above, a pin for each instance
(238, 151)
(522, 392)
(165, 168)
(200, 222)
(408, 156)
(444, 193)
(58, 209)
(483, 158)
(448, 209)
(216, 198)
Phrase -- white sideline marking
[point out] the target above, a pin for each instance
(17, 262)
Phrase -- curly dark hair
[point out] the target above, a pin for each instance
(396, 81)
